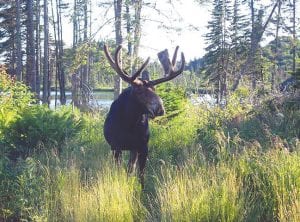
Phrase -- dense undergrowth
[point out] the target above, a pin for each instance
(241, 163)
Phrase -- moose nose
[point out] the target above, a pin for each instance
(160, 111)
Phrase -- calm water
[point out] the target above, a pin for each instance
(104, 99)
(100, 99)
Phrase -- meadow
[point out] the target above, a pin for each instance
(239, 163)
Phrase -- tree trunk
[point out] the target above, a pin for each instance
(75, 24)
(46, 96)
(12, 64)
(37, 50)
(56, 53)
(275, 66)
(75, 81)
(30, 59)
(137, 30)
(90, 59)
(254, 45)
(85, 90)
(119, 40)
(18, 41)
(249, 61)
(61, 74)
(294, 38)
(129, 36)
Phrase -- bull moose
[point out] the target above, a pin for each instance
(126, 125)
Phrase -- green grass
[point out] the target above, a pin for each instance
(108, 196)
(200, 194)
(203, 166)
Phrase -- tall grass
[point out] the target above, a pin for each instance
(206, 164)
(272, 186)
(171, 138)
(203, 194)
(110, 196)
(252, 187)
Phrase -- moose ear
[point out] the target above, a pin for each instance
(146, 75)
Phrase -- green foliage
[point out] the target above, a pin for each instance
(173, 96)
(111, 196)
(14, 98)
(21, 189)
(200, 194)
(252, 187)
(275, 124)
(205, 164)
(39, 128)
(271, 186)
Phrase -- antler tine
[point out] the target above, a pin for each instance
(141, 69)
(122, 73)
(109, 58)
(175, 56)
(172, 73)
(116, 64)
(180, 70)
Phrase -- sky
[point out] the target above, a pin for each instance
(187, 16)
(192, 23)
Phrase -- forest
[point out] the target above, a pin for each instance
(226, 149)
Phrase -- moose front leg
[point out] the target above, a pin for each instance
(142, 164)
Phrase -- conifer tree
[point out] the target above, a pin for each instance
(218, 45)
(240, 37)
(30, 77)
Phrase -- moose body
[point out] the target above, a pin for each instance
(126, 126)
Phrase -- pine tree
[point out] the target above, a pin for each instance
(81, 45)
(218, 39)
(8, 33)
(257, 30)
(19, 64)
(240, 37)
(37, 48)
(46, 78)
(60, 49)
(30, 77)
(118, 4)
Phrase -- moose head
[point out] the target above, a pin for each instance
(126, 125)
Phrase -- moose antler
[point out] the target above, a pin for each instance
(116, 65)
(169, 67)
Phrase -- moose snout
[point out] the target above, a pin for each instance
(160, 111)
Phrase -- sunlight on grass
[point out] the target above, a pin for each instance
(110, 196)
(271, 185)
(210, 194)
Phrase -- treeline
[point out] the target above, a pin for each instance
(35, 52)
(237, 30)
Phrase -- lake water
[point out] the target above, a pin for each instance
(104, 99)
(100, 99)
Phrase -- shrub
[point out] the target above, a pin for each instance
(21, 189)
(14, 98)
(173, 96)
(170, 137)
(39, 127)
